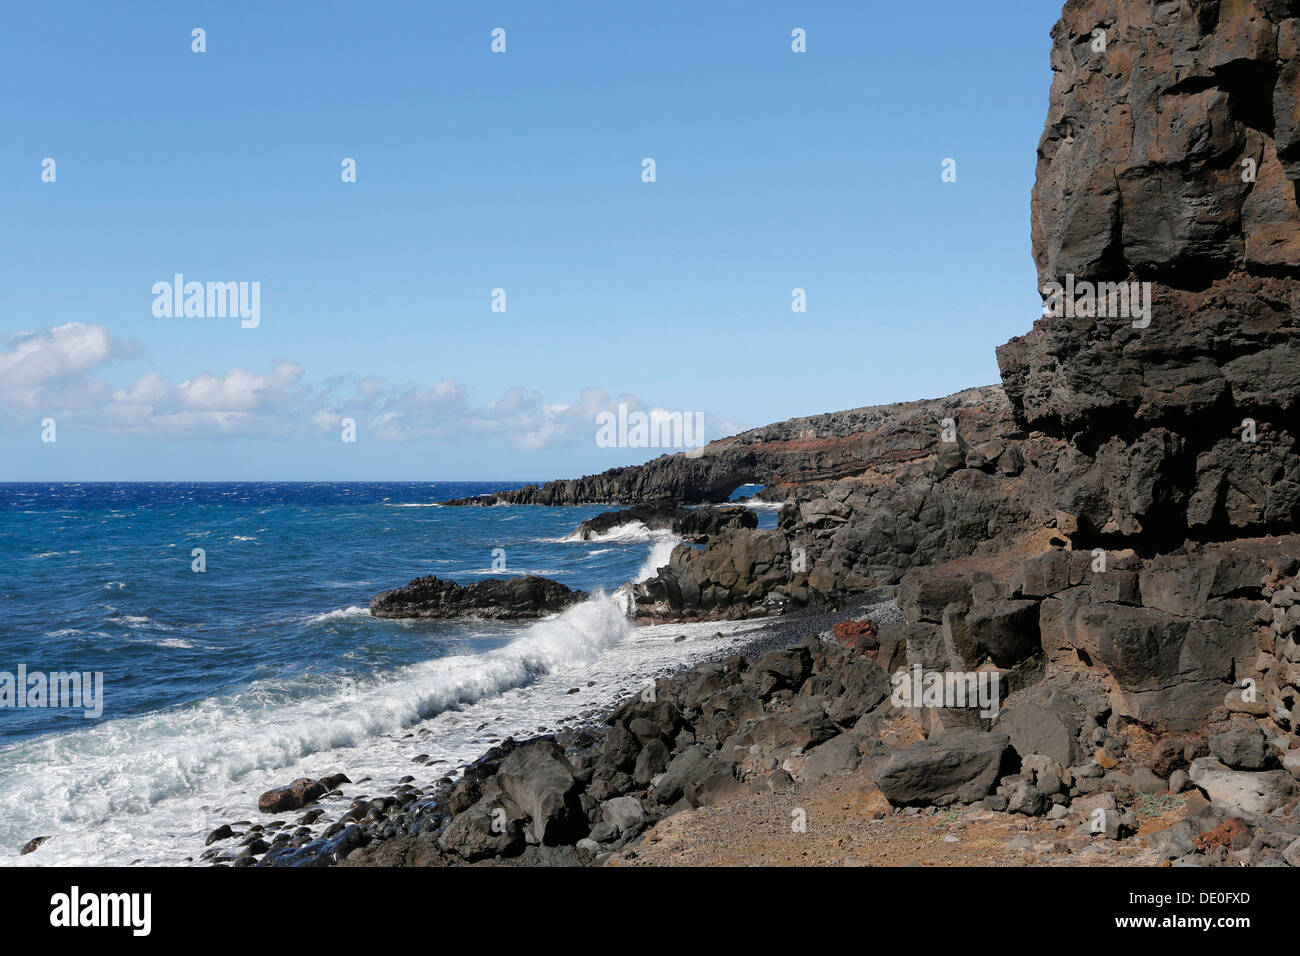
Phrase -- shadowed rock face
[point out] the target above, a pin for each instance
(1171, 156)
(1140, 431)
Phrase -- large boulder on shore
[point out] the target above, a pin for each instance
(1049, 718)
(482, 831)
(506, 599)
(538, 778)
(959, 767)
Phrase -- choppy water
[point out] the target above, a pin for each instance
(267, 665)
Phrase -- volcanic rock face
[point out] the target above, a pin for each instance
(504, 600)
(928, 481)
(878, 440)
(1172, 143)
(736, 577)
(1171, 156)
(1161, 445)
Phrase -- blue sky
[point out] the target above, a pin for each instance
(521, 171)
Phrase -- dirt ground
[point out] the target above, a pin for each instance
(847, 822)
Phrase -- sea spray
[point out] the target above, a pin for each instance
(152, 788)
(659, 555)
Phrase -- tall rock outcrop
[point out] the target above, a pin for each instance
(1131, 517)
(1170, 156)
(1158, 392)
(1172, 142)
(1159, 403)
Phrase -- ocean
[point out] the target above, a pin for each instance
(265, 665)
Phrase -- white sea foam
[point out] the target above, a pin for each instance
(658, 557)
(515, 572)
(634, 532)
(150, 787)
(761, 505)
(138, 621)
(351, 610)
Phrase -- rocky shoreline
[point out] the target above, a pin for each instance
(807, 701)
(334, 823)
(1102, 552)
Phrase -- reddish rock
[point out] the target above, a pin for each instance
(1231, 833)
(293, 797)
(855, 634)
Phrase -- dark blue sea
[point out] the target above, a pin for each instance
(266, 664)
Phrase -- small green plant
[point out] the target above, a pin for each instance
(1155, 804)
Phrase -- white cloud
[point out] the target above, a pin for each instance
(54, 372)
(36, 358)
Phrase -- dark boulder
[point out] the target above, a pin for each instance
(694, 524)
(1241, 747)
(681, 770)
(499, 599)
(485, 830)
(540, 780)
(960, 767)
(293, 797)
